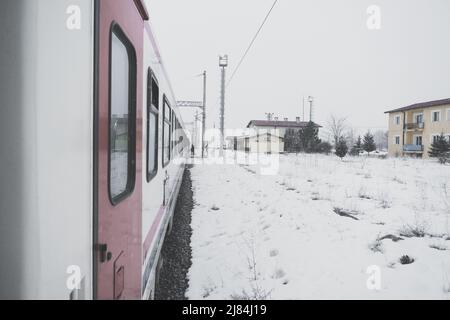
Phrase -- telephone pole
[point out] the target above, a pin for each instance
(303, 117)
(199, 105)
(223, 64)
(311, 106)
(204, 114)
(195, 138)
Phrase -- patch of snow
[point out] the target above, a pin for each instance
(279, 237)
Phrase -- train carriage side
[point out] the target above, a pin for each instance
(92, 150)
(164, 160)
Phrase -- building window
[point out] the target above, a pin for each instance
(436, 116)
(397, 140)
(122, 118)
(152, 125)
(448, 114)
(418, 140)
(167, 124)
(434, 138)
(418, 118)
(397, 120)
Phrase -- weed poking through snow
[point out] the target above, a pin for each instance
(413, 231)
(346, 213)
(438, 247)
(257, 291)
(376, 246)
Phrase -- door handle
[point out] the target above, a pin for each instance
(166, 178)
(104, 254)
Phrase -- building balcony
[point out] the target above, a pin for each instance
(412, 148)
(415, 126)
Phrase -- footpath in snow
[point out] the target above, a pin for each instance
(321, 228)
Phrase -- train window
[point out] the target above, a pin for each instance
(180, 139)
(167, 128)
(152, 125)
(122, 118)
(172, 142)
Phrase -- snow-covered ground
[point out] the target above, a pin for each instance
(280, 237)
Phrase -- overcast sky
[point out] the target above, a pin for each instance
(321, 48)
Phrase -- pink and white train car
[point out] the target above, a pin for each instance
(92, 150)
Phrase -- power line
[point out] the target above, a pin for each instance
(252, 42)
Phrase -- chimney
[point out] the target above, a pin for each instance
(298, 119)
(286, 119)
(276, 118)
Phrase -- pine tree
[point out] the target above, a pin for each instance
(289, 140)
(341, 148)
(369, 143)
(356, 149)
(309, 138)
(440, 149)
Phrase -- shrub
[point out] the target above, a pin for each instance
(406, 259)
(417, 231)
(341, 148)
(440, 149)
(357, 148)
(324, 147)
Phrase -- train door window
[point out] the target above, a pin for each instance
(152, 125)
(122, 116)
(167, 124)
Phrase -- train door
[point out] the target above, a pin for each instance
(118, 164)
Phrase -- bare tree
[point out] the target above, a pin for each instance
(381, 139)
(351, 136)
(336, 126)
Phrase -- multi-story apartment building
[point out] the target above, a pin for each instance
(413, 129)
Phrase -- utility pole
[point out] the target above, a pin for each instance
(223, 64)
(195, 138)
(200, 105)
(204, 115)
(311, 101)
(303, 118)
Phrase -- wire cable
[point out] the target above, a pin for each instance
(251, 43)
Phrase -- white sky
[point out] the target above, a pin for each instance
(308, 47)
